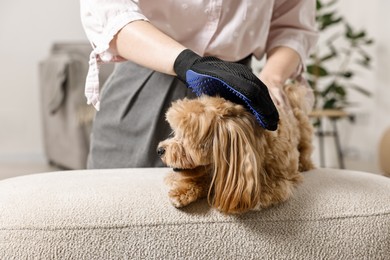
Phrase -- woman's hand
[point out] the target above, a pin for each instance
(276, 92)
(282, 63)
(232, 81)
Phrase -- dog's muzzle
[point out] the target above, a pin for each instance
(160, 151)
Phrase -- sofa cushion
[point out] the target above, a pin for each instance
(126, 214)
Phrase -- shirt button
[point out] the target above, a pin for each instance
(184, 6)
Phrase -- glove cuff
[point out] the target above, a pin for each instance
(183, 62)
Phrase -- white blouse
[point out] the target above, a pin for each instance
(228, 29)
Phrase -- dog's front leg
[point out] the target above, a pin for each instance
(187, 186)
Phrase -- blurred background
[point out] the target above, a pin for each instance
(28, 31)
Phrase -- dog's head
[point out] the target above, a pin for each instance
(210, 131)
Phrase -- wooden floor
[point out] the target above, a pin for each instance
(8, 170)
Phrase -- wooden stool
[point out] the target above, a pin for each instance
(333, 115)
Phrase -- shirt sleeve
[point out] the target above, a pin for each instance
(102, 19)
(293, 25)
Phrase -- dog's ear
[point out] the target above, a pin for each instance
(235, 186)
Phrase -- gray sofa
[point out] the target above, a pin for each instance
(125, 214)
(66, 117)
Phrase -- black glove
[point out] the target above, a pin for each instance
(232, 81)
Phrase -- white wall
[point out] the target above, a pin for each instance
(28, 28)
(27, 31)
(361, 139)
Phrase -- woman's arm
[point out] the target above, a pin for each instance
(144, 44)
(282, 63)
(292, 34)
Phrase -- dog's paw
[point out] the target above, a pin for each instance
(181, 198)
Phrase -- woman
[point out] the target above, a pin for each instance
(159, 40)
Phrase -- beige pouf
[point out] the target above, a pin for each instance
(125, 214)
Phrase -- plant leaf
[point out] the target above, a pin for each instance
(335, 90)
(365, 60)
(330, 104)
(328, 19)
(361, 90)
(329, 56)
(331, 3)
(319, 5)
(351, 34)
(317, 70)
(346, 74)
(311, 83)
(341, 91)
(364, 63)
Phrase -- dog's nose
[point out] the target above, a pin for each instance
(160, 151)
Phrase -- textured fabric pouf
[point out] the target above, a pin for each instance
(125, 214)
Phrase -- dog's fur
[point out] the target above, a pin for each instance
(218, 150)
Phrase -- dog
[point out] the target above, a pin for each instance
(219, 151)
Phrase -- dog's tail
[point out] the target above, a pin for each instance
(300, 96)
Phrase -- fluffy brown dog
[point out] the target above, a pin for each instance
(220, 151)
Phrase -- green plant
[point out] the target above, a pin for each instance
(332, 66)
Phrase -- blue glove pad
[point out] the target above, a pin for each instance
(232, 81)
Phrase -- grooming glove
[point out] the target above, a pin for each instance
(232, 81)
